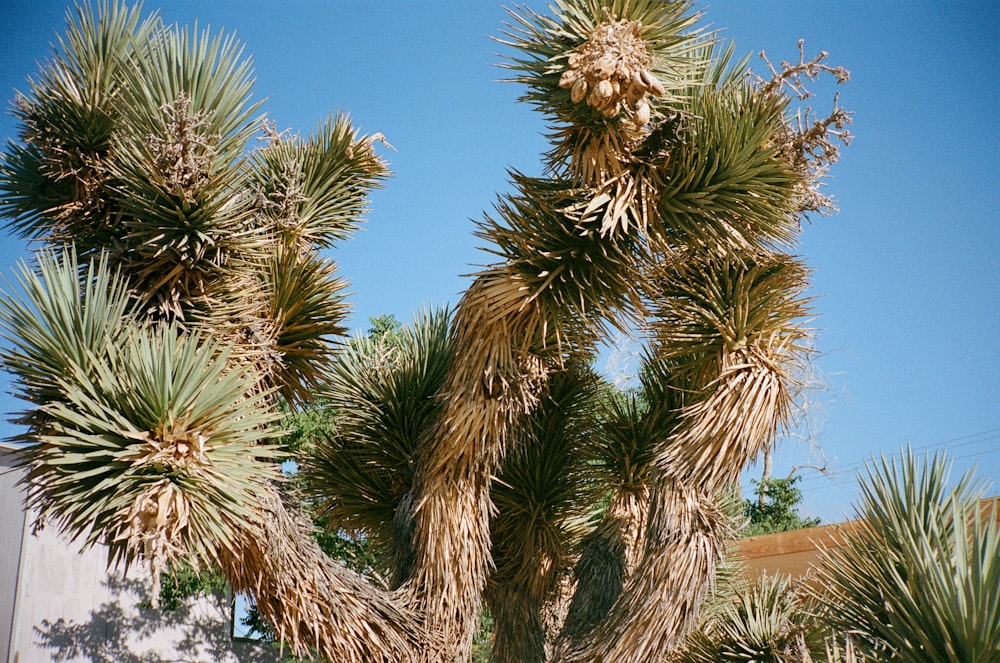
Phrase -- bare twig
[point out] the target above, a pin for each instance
(812, 142)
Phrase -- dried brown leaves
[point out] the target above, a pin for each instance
(316, 604)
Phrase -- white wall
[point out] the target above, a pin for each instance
(67, 607)
(11, 531)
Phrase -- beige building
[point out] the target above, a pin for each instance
(57, 604)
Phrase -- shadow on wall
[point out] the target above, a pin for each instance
(197, 631)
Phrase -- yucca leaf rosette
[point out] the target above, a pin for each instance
(150, 440)
(314, 191)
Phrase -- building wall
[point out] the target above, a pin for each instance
(797, 552)
(11, 533)
(66, 606)
(793, 553)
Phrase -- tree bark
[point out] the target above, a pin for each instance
(494, 379)
(313, 601)
(765, 474)
(609, 557)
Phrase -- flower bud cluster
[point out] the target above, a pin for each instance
(611, 71)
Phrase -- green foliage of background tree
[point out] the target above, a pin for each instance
(776, 508)
(671, 198)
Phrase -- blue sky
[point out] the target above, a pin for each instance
(906, 275)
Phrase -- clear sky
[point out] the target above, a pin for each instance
(906, 275)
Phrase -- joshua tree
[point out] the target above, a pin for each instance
(179, 295)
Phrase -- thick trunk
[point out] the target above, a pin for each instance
(519, 632)
(493, 380)
(609, 557)
(685, 540)
(313, 601)
(687, 535)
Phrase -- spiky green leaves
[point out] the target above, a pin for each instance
(315, 190)
(307, 194)
(633, 425)
(731, 330)
(766, 620)
(176, 430)
(543, 495)
(135, 141)
(135, 144)
(383, 392)
(618, 79)
(920, 580)
(549, 234)
(608, 74)
(63, 319)
(132, 142)
(304, 311)
(149, 439)
(596, 69)
(711, 304)
(725, 182)
(186, 118)
(212, 73)
(54, 185)
(150, 435)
